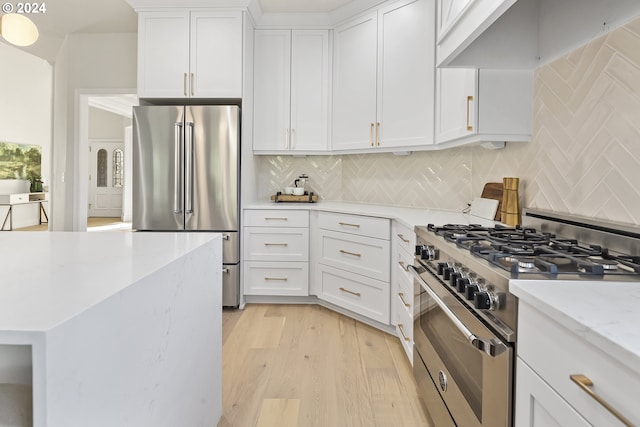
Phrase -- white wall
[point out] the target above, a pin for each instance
(106, 125)
(86, 64)
(25, 113)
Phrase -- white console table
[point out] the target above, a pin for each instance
(12, 200)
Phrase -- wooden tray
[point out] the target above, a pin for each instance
(288, 198)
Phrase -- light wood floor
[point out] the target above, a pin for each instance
(307, 366)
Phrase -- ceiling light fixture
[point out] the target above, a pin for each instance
(17, 29)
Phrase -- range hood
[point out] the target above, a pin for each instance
(528, 33)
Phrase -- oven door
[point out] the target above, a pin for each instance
(469, 365)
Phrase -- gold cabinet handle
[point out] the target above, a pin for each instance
(276, 219)
(371, 135)
(184, 84)
(378, 134)
(350, 292)
(401, 295)
(404, 336)
(350, 253)
(584, 383)
(282, 279)
(276, 244)
(403, 239)
(346, 224)
(191, 85)
(404, 266)
(469, 101)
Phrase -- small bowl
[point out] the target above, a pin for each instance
(289, 190)
(298, 191)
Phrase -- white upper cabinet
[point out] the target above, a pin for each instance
(190, 54)
(354, 83)
(291, 91)
(483, 105)
(383, 78)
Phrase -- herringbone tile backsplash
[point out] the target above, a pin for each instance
(584, 156)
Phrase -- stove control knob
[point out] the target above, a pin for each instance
(427, 252)
(471, 291)
(453, 280)
(446, 273)
(441, 267)
(462, 284)
(482, 300)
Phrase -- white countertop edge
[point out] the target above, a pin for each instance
(407, 216)
(604, 314)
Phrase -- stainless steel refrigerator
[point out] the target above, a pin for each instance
(186, 176)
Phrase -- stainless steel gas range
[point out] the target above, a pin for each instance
(465, 329)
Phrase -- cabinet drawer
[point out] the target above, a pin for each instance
(276, 244)
(400, 265)
(404, 324)
(359, 294)
(355, 224)
(276, 218)
(276, 278)
(404, 237)
(555, 353)
(361, 255)
(14, 199)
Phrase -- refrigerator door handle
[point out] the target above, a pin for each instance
(177, 168)
(188, 168)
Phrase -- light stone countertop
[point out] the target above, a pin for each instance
(47, 278)
(410, 217)
(605, 314)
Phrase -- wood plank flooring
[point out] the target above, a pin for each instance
(307, 366)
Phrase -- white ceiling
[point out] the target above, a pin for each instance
(301, 6)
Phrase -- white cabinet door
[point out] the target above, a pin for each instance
(406, 71)
(291, 90)
(354, 84)
(271, 90)
(456, 97)
(309, 90)
(538, 405)
(163, 54)
(216, 55)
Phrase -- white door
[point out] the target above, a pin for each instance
(406, 74)
(456, 103)
(354, 84)
(106, 178)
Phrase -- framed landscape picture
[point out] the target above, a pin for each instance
(20, 161)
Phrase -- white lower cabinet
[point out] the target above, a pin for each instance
(538, 405)
(353, 256)
(276, 252)
(402, 299)
(549, 354)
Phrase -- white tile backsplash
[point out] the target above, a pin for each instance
(583, 158)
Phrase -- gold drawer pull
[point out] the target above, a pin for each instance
(469, 101)
(584, 383)
(350, 253)
(282, 279)
(404, 266)
(401, 295)
(346, 224)
(350, 292)
(403, 239)
(275, 219)
(404, 336)
(371, 135)
(378, 134)
(276, 244)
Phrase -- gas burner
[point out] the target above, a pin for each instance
(606, 264)
(525, 263)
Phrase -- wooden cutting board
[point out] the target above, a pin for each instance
(493, 190)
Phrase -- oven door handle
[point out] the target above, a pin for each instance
(491, 347)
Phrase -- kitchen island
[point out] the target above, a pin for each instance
(113, 328)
